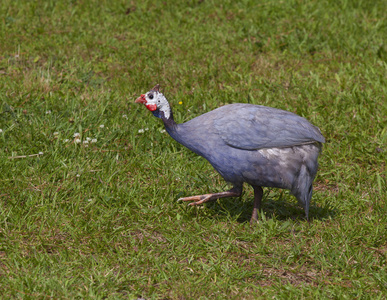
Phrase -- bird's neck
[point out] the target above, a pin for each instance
(169, 123)
(166, 115)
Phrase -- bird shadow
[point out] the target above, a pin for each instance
(282, 208)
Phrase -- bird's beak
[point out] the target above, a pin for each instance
(141, 99)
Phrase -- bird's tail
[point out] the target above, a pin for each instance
(303, 188)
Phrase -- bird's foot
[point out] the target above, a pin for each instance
(254, 217)
(200, 199)
(258, 192)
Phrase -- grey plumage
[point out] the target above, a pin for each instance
(262, 146)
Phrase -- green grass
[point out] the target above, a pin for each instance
(102, 221)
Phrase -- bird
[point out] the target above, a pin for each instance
(247, 143)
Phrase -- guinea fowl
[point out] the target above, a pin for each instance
(259, 145)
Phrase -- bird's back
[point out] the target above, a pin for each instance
(249, 127)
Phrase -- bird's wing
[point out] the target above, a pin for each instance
(250, 127)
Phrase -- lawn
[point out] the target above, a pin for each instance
(89, 179)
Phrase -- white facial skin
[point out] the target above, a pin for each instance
(156, 100)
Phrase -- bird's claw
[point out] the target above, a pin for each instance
(193, 198)
(198, 199)
(194, 203)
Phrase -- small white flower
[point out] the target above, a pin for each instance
(1, 130)
(56, 133)
(94, 140)
(76, 135)
(66, 141)
(162, 130)
(88, 139)
(141, 131)
(125, 116)
(101, 126)
(90, 200)
(48, 112)
(78, 175)
(40, 153)
(146, 129)
(77, 141)
(85, 142)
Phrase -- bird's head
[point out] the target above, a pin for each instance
(156, 102)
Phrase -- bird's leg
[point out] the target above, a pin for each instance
(200, 199)
(258, 192)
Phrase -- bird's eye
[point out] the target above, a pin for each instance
(150, 96)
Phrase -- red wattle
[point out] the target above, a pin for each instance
(151, 107)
